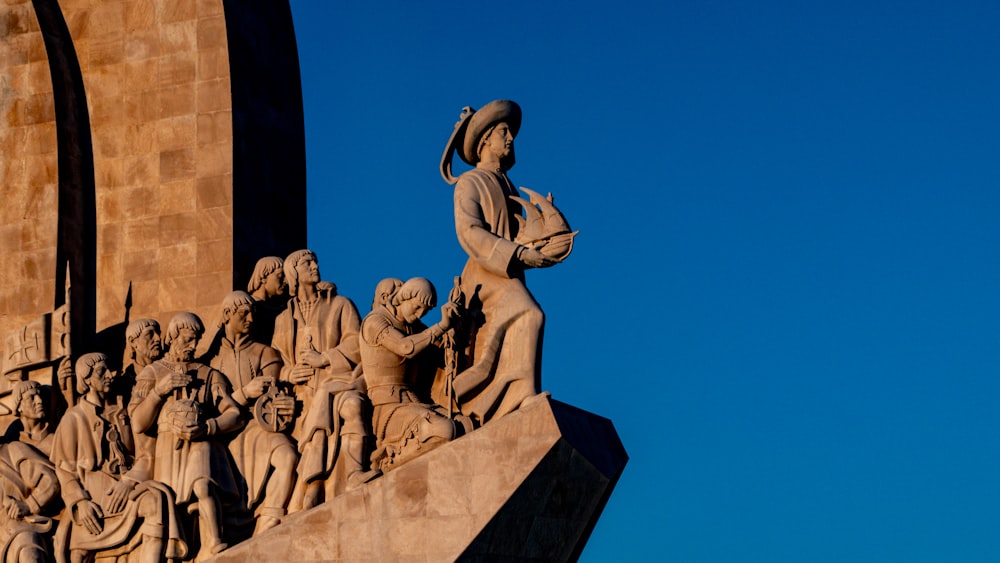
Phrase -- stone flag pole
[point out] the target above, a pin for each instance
(152, 161)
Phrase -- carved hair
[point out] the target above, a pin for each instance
(85, 367)
(483, 138)
(182, 321)
(233, 301)
(416, 288)
(136, 327)
(265, 267)
(22, 388)
(384, 291)
(291, 274)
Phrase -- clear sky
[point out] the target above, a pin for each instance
(785, 290)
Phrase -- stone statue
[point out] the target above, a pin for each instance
(143, 345)
(506, 322)
(391, 337)
(267, 286)
(187, 407)
(265, 456)
(384, 290)
(317, 337)
(29, 486)
(113, 508)
(31, 426)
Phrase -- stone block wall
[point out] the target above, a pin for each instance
(120, 152)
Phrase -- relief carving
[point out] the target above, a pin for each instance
(186, 407)
(30, 488)
(263, 452)
(176, 458)
(113, 507)
(503, 336)
(317, 337)
(392, 337)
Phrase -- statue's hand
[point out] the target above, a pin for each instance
(257, 387)
(449, 312)
(284, 405)
(313, 359)
(300, 374)
(192, 432)
(65, 373)
(16, 508)
(535, 259)
(119, 493)
(89, 515)
(165, 385)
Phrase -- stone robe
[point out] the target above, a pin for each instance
(331, 328)
(179, 463)
(252, 447)
(506, 342)
(88, 464)
(25, 475)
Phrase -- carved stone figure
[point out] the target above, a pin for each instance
(265, 456)
(144, 346)
(28, 484)
(507, 323)
(391, 337)
(267, 286)
(113, 508)
(187, 407)
(31, 426)
(317, 337)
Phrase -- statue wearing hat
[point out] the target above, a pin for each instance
(502, 365)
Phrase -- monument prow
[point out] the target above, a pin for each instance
(529, 486)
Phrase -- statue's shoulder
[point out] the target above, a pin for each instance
(377, 322)
(475, 177)
(338, 302)
(19, 452)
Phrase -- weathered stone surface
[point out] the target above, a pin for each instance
(117, 127)
(530, 485)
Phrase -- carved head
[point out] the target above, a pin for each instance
(414, 298)
(268, 279)
(384, 291)
(484, 132)
(92, 373)
(27, 398)
(183, 333)
(143, 337)
(301, 268)
(237, 312)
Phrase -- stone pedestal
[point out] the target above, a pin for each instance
(529, 486)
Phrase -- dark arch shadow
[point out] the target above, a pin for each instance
(76, 247)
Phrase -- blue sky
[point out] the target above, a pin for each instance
(784, 293)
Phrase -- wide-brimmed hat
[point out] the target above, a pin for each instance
(497, 111)
(472, 126)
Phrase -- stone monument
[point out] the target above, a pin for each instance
(153, 160)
